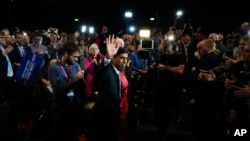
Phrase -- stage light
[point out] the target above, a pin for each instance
(144, 33)
(91, 29)
(128, 14)
(84, 29)
(179, 13)
(132, 29)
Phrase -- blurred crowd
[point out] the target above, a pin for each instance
(95, 85)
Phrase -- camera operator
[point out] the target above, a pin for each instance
(139, 60)
(139, 85)
(139, 64)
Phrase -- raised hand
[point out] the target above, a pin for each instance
(110, 46)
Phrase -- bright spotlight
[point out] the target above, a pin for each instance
(152, 19)
(179, 13)
(132, 29)
(144, 33)
(91, 29)
(128, 14)
(84, 28)
(170, 37)
(24, 33)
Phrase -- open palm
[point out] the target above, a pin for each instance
(110, 46)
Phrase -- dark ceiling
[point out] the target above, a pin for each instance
(61, 13)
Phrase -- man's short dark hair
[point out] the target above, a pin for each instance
(69, 47)
(120, 51)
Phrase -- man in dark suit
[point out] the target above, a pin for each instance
(208, 94)
(108, 112)
(15, 56)
(19, 50)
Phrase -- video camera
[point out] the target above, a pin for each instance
(143, 54)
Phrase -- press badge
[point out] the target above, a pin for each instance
(70, 95)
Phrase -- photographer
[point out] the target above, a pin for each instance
(139, 61)
(139, 65)
(167, 98)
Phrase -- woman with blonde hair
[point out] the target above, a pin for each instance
(91, 66)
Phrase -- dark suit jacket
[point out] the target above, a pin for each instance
(190, 59)
(3, 71)
(53, 52)
(208, 92)
(15, 56)
(108, 103)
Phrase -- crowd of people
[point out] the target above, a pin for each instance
(111, 70)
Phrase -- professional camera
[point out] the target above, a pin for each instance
(144, 54)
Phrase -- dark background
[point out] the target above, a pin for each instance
(213, 15)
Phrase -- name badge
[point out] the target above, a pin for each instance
(70, 94)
